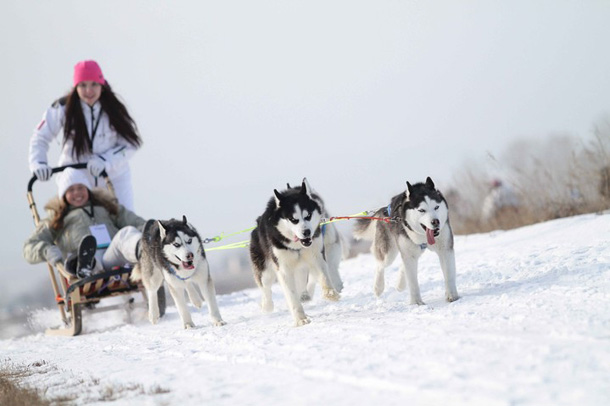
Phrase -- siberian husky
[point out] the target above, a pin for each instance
(420, 221)
(287, 239)
(172, 250)
(335, 249)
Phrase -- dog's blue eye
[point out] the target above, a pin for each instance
(308, 217)
(422, 210)
(293, 220)
(190, 240)
(176, 244)
(436, 208)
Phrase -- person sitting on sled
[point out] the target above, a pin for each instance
(81, 220)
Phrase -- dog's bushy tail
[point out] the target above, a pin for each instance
(364, 230)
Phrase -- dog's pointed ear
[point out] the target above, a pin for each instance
(408, 191)
(162, 232)
(184, 220)
(305, 188)
(288, 186)
(429, 183)
(278, 198)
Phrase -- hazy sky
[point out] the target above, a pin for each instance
(236, 98)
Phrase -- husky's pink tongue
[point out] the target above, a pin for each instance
(430, 236)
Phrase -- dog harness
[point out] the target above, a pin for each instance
(389, 210)
(172, 271)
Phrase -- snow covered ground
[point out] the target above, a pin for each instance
(532, 328)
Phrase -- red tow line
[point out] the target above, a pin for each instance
(386, 219)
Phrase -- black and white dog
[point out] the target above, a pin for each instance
(421, 222)
(173, 251)
(335, 249)
(287, 241)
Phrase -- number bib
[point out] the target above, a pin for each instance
(100, 232)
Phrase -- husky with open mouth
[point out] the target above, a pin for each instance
(288, 239)
(173, 251)
(420, 221)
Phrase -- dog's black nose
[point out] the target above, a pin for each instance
(306, 233)
(436, 223)
(189, 256)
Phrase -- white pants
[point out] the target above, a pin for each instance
(122, 248)
(122, 187)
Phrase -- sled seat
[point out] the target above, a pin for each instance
(109, 283)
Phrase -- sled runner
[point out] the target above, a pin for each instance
(73, 294)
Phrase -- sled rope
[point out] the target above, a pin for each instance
(223, 235)
(243, 244)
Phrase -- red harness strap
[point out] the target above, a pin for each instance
(386, 219)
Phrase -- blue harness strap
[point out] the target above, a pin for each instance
(173, 272)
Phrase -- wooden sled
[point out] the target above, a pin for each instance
(73, 295)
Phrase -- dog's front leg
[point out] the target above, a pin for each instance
(447, 260)
(410, 269)
(194, 296)
(287, 281)
(301, 277)
(152, 285)
(206, 285)
(177, 293)
(321, 268)
(153, 305)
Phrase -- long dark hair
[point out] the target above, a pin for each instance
(75, 128)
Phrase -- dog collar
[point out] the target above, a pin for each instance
(422, 246)
(172, 271)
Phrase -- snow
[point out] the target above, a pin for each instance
(532, 328)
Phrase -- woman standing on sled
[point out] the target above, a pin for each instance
(97, 130)
(82, 219)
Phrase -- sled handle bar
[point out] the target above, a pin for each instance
(60, 169)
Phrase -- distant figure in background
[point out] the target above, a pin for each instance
(97, 130)
(501, 205)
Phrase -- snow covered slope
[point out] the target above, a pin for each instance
(532, 328)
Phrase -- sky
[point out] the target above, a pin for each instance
(531, 328)
(234, 99)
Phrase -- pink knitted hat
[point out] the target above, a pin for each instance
(88, 70)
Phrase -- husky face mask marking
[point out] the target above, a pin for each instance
(182, 249)
(426, 211)
(298, 215)
(428, 218)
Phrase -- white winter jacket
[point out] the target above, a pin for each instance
(115, 150)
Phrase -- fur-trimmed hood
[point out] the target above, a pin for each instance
(103, 196)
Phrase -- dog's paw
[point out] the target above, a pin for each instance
(189, 324)
(219, 323)
(418, 302)
(401, 285)
(302, 322)
(154, 318)
(452, 298)
(331, 294)
(267, 306)
(305, 297)
(197, 303)
(378, 289)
